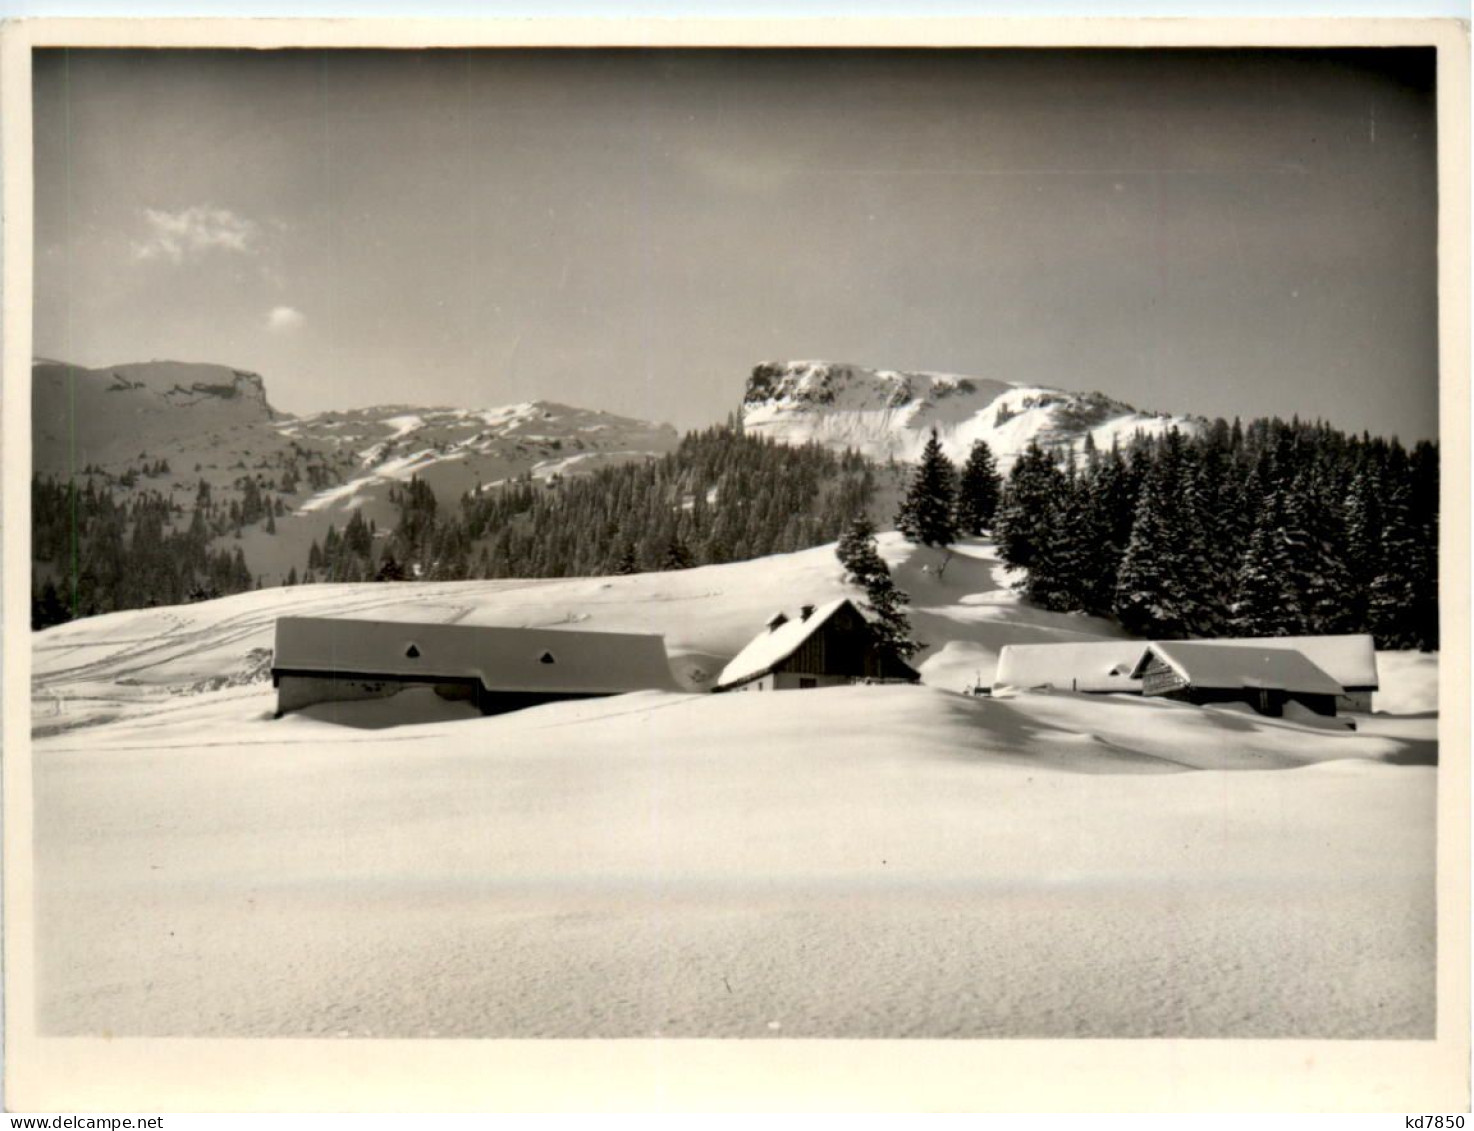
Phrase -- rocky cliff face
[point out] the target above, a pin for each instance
(888, 414)
(100, 416)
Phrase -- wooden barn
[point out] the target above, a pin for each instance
(1264, 678)
(326, 659)
(826, 646)
(1102, 667)
(1350, 660)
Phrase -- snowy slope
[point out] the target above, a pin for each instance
(454, 450)
(108, 416)
(888, 414)
(707, 616)
(213, 424)
(855, 862)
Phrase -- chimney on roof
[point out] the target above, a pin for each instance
(777, 621)
(806, 612)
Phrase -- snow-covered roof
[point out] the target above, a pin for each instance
(1093, 666)
(505, 659)
(1350, 660)
(1220, 665)
(774, 645)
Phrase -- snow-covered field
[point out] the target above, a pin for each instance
(854, 862)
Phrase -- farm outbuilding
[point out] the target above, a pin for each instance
(1094, 666)
(1265, 678)
(328, 659)
(1102, 667)
(1350, 660)
(824, 646)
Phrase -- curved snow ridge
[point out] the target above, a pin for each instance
(400, 469)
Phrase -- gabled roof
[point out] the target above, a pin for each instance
(503, 659)
(1091, 666)
(1218, 665)
(1350, 660)
(774, 645)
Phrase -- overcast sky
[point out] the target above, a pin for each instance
(1223, 233)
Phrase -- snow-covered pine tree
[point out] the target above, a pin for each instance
(1320, 572)
(1202, 573)
(1149, 597)
(1266, 601)
(1024, 517)
(1363, 511)
(1395, 590)
(1424, 482)
(927, 513)
(858, 554)
(864, 566)
(1110, 492)
(1063, 573)
(892, 625)
(978, 489)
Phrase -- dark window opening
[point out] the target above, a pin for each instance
(805, 681)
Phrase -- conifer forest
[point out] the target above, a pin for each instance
(1259, 529)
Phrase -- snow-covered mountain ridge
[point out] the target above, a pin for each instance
(888, 414)
(208, 434)
(454, 449)
(113, 416)
(167, 427)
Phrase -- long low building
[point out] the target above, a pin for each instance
(1349, 659)
(1209, 672)
(1106, 666)
(1095, 666)
(330, 659)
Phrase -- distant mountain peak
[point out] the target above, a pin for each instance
(888, 414)
(831, 382)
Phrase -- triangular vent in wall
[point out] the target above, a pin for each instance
(412, 652)
(546, 658)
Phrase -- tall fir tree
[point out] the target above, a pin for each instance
(928, 511)
(1110, 490)
(1266, 601)
(1025, 517)
(858, 553)
(978, 489)
(1320, 573)
(1423, 479)
(1363, 513)
(1062, 577)
(1394, 597)
(1150, 596)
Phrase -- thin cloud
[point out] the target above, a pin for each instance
(283, 319)
(195, 231)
